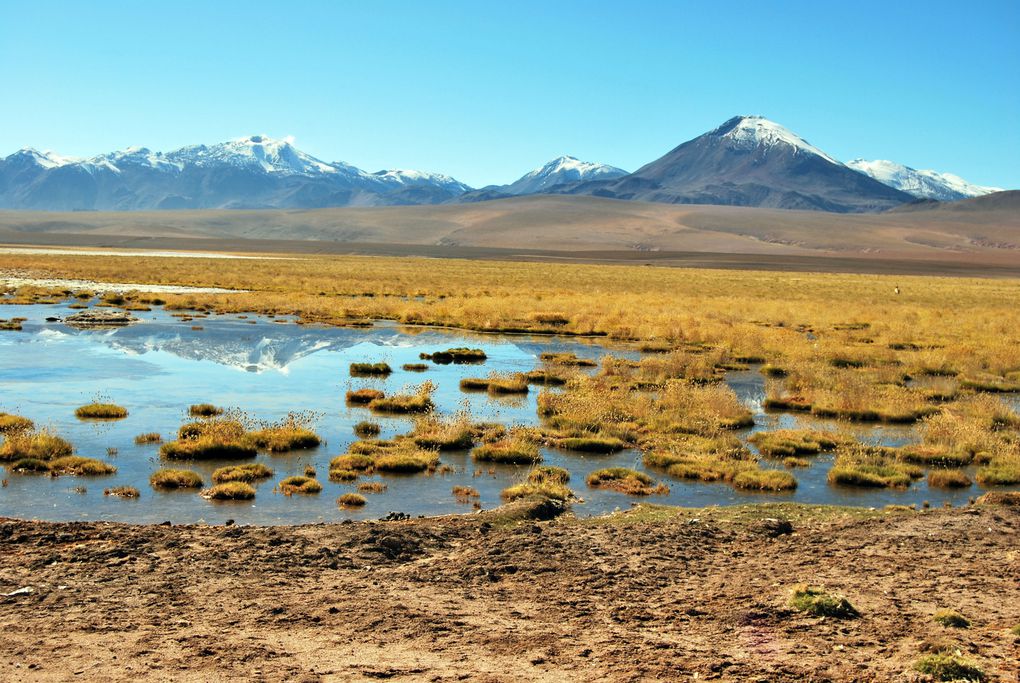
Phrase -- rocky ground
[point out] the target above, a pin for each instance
(653, 594)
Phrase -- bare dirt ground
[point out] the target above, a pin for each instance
(649, 595)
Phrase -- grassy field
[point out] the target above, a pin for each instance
(869, 348)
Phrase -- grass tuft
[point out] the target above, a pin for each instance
(249, 472)
(951, 619)
(234, 490)
(175, 479)
(816, 601)
(351, 500)
(625, 480)
(101, 411)
(944, 666)
(304, 485)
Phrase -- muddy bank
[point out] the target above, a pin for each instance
(652, 594)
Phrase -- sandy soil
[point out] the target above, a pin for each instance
(695, 595)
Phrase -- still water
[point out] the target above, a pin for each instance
(268, 368)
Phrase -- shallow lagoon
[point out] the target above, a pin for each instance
(268, 368)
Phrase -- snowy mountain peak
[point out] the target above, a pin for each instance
(411, 178)
(563, 169)
(923, 184)
(752, 132)
(255, 152)
(45, 159)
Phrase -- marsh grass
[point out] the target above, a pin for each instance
(444, 434)
(372, 487)
(365, 429)
(249, 472)
(363, 396)
(39, 445)
(128, 492)
(792, 442)
(351, 500)
(78, 466)
(148, 437)
(465, 494)
(204, 410)
(949, 479)
(516, 449)
(459, 355)
(567, 359)
(290, 434)
(370, 369)
(415, 367)
(234, 490)
(764, 480)
(865, 467)
(818, 602)
(420, 401)
(406, 458)
(217, 438)
(299, 484)
(14, 423)
(591, 444)
(625, 480)
(175, 479)
(101, 411)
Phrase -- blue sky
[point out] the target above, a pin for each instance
(486, 91)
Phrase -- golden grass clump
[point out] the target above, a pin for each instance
(947, 666)
(372, 487)
(420, 401)
(214, 439)
(175, 479)
(148, 437)
(625, 480)
(204, 410)
(77, 466)
(444, 434)
(299, 484)
(101, 411)
(406, 458)
(288, 435)
(951, 619)
(948, 479)
(249, 472)
(234, 490)
(39, 445)
(871, 468)
(366, 429)
(518, 448)
(351, 500)
(541, 482)
(370, 369)
(787, 442)
(363, 396)
(764, 480)
(14, 423)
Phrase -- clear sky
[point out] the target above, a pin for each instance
(485, 91)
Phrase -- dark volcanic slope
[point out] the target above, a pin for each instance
(750, 161)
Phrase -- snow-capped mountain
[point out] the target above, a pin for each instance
(944, 187)
(751, 161)
(251, 172)
(560, 171)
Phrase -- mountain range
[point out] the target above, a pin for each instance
(747, 161)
